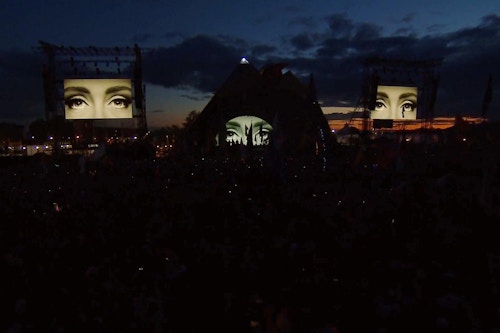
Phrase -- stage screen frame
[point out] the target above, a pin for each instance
(120, 90)
(403, 96)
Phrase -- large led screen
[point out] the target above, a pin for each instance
(243, 129)
(97, 98)
(395, 102)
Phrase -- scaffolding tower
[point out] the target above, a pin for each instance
(423, 74)
(62, 62)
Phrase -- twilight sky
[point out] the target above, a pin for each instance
(197, 44)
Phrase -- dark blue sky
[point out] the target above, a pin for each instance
(198, 44)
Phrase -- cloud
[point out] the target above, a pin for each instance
(302, 42)
(262, 50)
(21, 86)
(472, 56)
(303, 21)
(469, 56)
(200, 62)
(367, 32)
(408, 18)
(193, 97)
(334, 56)
(340, 26)
(142, 38)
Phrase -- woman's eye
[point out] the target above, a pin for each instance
(231, 134)
(379, 105)
(262, 134)
(75, 103)
(408, 106)
(119, 102)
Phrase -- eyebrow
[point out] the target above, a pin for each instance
(117, 88)
(255, 124)
(110, 90)
(82, 90)
(407, 95)
(261, 123)
(234, 124)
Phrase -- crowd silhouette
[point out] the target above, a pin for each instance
(361, 241)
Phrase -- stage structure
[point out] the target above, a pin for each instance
(262, 110)
(96, 91)
(399, 91)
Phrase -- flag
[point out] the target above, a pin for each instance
(488, 96)
(312, 90)
(249, 136)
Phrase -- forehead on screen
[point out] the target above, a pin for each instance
(247, 120)
(98, 83)
(397, 89)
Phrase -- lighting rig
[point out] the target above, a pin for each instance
(63, 62)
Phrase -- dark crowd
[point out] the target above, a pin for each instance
(403, 239)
